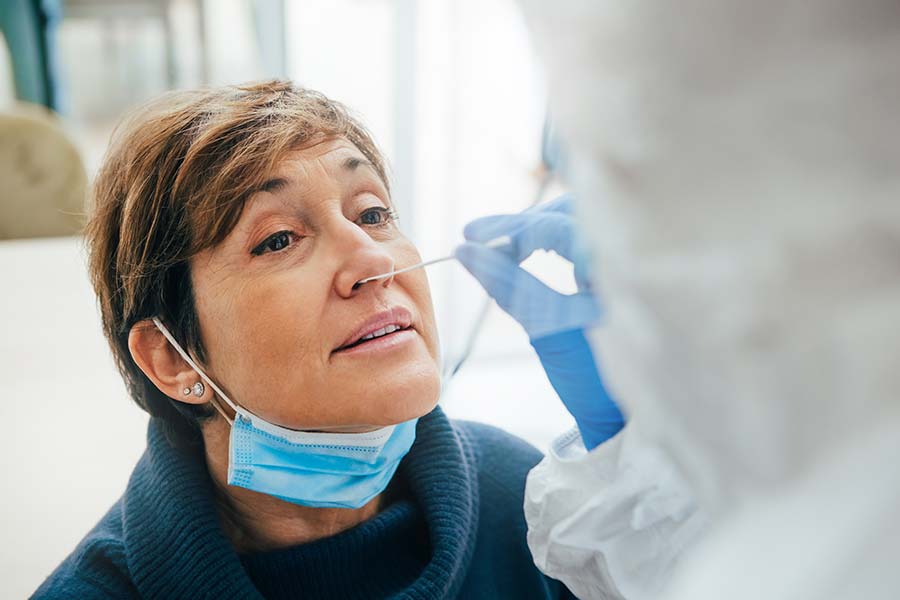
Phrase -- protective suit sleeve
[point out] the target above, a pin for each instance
(610, 523)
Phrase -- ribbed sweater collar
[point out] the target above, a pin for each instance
(175, 546)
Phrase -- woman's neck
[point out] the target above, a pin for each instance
(256, 522)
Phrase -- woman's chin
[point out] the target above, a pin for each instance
(390, 409)
(408, 391)
(364, 400)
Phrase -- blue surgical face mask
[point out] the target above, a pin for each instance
(337, 470)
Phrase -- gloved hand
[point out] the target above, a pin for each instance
(555, 322)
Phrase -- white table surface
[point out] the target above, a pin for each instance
(72, 436)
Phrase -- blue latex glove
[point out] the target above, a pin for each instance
(554, 322)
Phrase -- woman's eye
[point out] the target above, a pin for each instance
(377, 216)
(274, 243)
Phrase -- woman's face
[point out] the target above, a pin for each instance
(280, 318)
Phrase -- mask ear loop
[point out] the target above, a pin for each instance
(190, 361)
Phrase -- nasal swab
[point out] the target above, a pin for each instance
(494, 243)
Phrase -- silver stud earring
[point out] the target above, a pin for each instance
(198, 389)
(186, 391)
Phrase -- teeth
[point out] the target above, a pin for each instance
(380, 332)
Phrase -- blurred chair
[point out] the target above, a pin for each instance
(160, 10)
(44, 185)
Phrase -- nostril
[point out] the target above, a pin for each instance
(387, 277)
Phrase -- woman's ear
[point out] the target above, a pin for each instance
(162, 364)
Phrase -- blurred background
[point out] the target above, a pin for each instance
(451, 91)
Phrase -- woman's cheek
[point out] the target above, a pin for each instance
(421, 296)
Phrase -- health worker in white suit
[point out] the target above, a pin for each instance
(736, 169)
(607, 513)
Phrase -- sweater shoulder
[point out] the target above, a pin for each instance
(501, 554)
(493, 443)
(97, 568)
(504, 459)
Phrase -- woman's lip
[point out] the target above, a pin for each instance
(385, 343)
(396, 315)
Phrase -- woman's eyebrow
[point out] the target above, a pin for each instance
(351, 163)
(273, 185)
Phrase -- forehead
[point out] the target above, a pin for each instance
(335, 158)
(334, 162)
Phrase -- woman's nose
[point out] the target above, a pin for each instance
(361, 257)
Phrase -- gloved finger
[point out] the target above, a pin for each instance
(575, 252)
(488, 228)
(547, 231)
(538, 308)
(527, 232)
(560, 204)
(499, 275)
(485, 229)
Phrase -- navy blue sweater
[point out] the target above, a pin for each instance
(456, 531)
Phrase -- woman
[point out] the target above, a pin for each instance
(295, 448)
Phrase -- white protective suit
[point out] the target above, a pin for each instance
(738, 169)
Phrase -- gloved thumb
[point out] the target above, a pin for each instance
(493, 269)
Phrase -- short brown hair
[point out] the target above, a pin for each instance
(174, 182)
